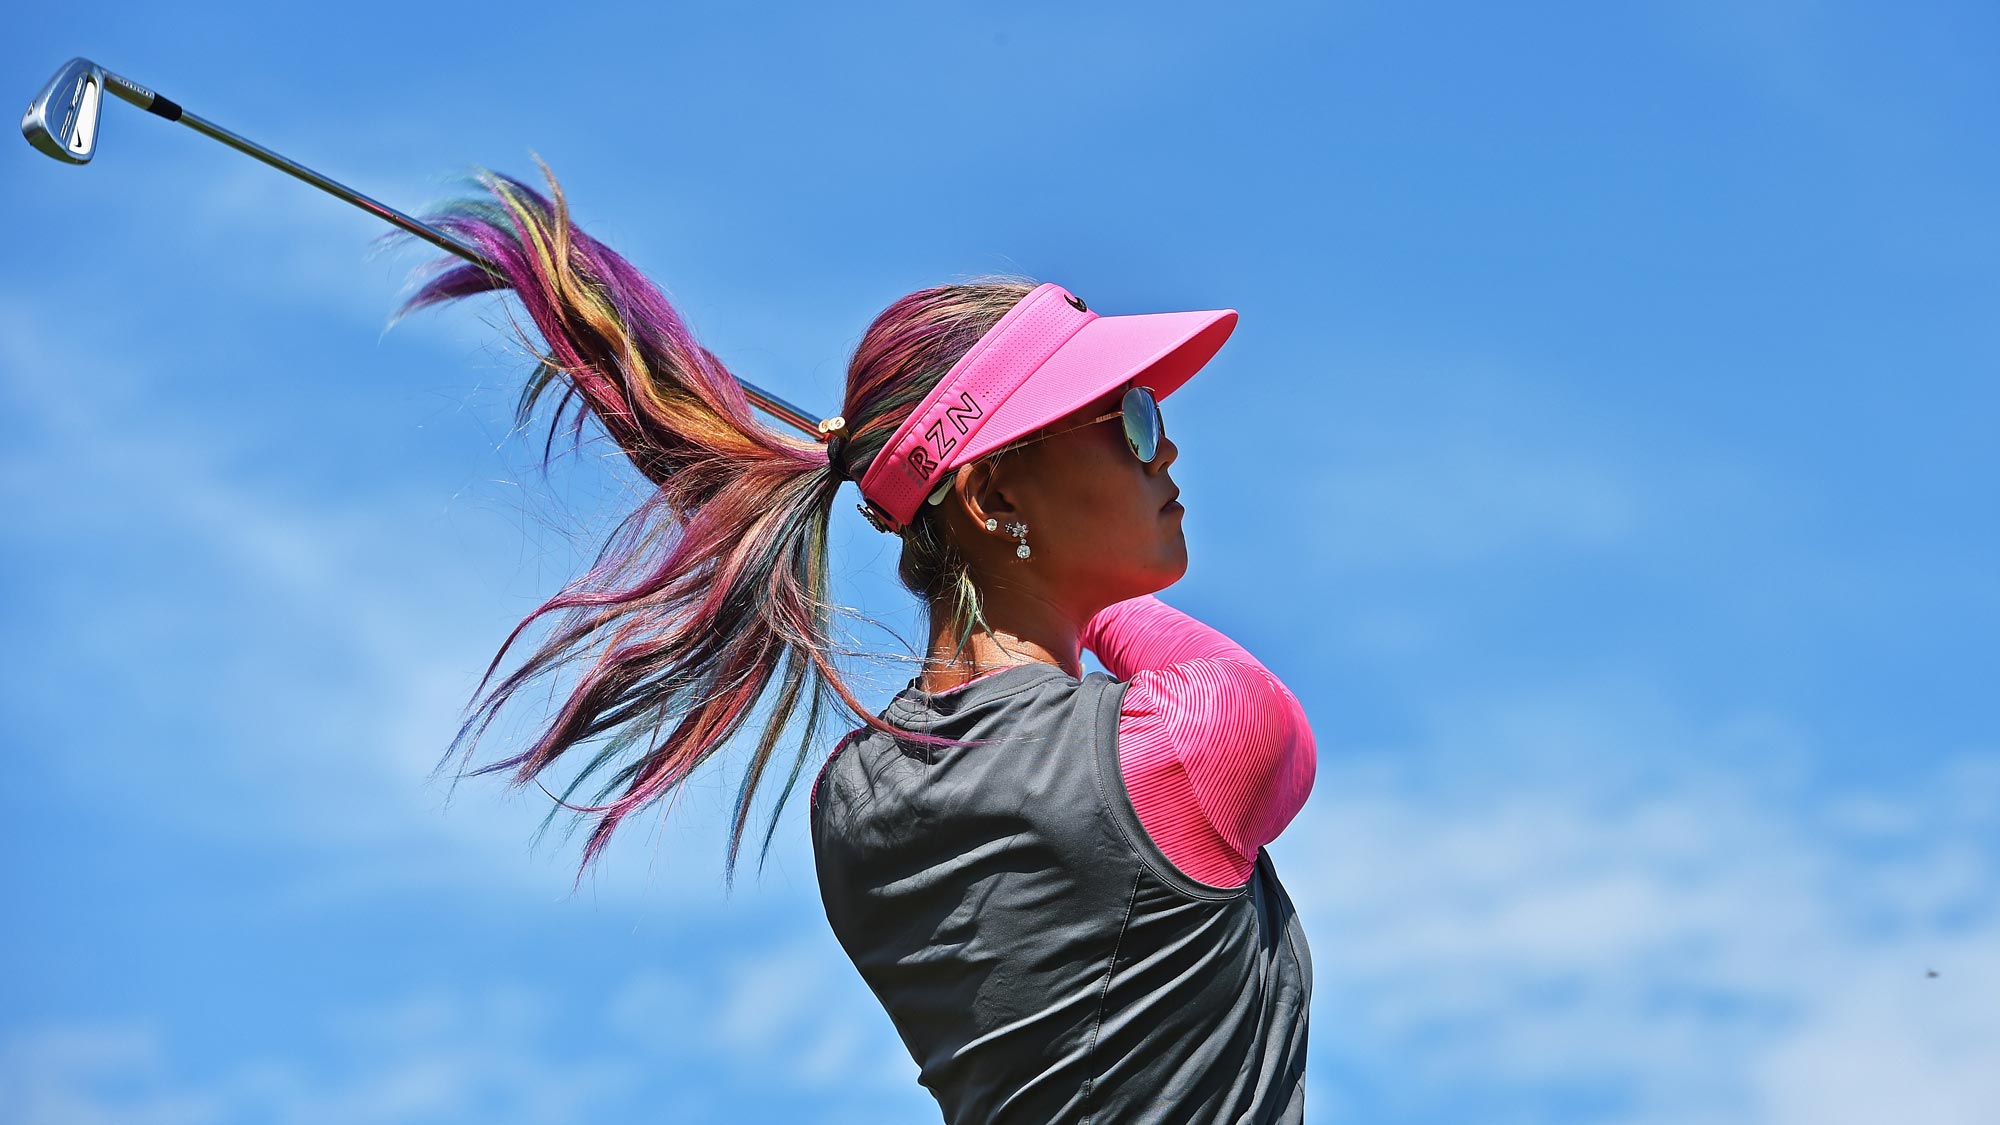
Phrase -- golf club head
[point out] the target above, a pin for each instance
(62, 120)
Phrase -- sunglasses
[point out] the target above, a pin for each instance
(1143, 430)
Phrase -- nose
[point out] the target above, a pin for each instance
(1165, 455)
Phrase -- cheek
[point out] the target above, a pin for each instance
(1097, 493)
(1108, 482)
(1111, 501)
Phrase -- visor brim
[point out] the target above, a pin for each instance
(1160, 350)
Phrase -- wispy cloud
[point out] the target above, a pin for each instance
(787, 1020)
(1447, 498)
(436, 1057)
(292, 242)
(1713, 937)
(324, 711)
(1469, 462)
(800, 1002)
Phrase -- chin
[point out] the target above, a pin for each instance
(1177, 565)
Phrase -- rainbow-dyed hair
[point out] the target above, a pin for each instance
(721, 574)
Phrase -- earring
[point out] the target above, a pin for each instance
(991, 523)
(1019, 530)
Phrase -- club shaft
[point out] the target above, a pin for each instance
(153, 103)
(332, 187)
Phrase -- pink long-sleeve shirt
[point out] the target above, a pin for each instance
(1215, 750)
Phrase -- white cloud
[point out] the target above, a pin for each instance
(797, 1011)
(1708, 932)
(437, 1057)
(290, 241)
(322, 712)
(780, 1018)
(1709, 947)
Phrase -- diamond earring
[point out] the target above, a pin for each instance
(991, 523)
(1019, 530)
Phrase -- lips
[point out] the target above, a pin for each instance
(1171, 499)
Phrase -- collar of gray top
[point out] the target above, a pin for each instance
(915, 701)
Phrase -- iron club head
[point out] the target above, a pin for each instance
(62, 120)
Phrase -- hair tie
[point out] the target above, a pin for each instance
(836, 446)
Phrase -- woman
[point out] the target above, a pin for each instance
(1054, 882)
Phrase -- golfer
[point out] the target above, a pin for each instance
(1055, 883)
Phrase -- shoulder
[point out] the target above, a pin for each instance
(1200, 700)
(846, 740)
(1223, 737)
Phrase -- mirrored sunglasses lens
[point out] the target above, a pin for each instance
(1142, 423)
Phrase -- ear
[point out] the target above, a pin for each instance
(985, 493)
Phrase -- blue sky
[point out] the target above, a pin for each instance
(1604, 456)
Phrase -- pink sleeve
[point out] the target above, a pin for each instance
(1215, 750)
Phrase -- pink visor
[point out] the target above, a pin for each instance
(1047, 357)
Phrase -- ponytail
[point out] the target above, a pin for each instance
(714, 581)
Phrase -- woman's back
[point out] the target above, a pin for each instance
(1041, 957)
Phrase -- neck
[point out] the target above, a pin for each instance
(1019, 634)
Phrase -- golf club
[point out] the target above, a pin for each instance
(62, 121)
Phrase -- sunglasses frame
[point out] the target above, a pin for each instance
(937, 496)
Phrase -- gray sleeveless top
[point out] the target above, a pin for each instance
(1041, 958)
